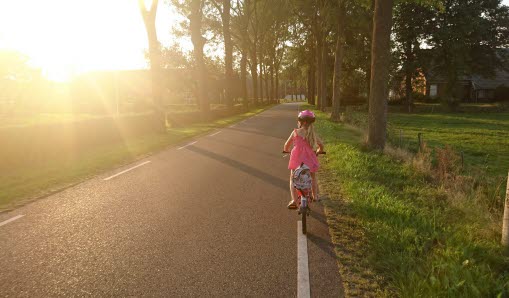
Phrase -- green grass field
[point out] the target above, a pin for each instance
(483, 137)
(396, 232)
(29, 181)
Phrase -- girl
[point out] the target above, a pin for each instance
(304, 140)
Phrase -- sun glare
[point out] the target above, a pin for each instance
(67, 37)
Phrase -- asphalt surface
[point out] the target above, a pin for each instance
(209, 219)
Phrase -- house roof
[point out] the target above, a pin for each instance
(501, 78)
(480, 82)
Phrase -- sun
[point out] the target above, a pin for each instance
(68, 37)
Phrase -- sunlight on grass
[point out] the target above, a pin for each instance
(26, 180)
(416, 242)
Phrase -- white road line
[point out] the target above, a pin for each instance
(303, 290)
(233, 125)
(214, 134)
(187, 145)
(118, 174)
(12, 219)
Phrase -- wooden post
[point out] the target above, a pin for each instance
(419, 135)
(401, 138)
(505, 222)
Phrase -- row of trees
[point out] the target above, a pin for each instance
(341, 49)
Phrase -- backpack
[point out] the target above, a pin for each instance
(302, 177)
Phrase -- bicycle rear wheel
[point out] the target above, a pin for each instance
(304, 213)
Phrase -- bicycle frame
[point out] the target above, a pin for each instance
(303, 194)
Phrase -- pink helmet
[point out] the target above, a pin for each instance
(307, 116)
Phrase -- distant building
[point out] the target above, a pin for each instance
(472, 87)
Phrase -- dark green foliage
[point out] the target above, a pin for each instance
(464, 36)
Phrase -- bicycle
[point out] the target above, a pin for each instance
(302, 182)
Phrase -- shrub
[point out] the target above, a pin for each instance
(448, 163)
(419, 97)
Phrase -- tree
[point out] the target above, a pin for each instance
(380, 57)
(306, 12)
(240, 26)
(154, 49)
(465, 36)
(224, 9)
(338, 61)
(411, 28)
(195, 26)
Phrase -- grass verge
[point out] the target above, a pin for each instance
(397, 233)
(481, 136)
(24, 184)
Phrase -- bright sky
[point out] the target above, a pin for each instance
(71, 36)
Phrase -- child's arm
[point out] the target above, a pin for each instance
(320, 145)
(288, 143)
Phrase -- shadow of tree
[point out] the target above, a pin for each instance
(275, 181)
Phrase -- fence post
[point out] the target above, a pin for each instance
(505, 222)
(401, 138)
(419, 135)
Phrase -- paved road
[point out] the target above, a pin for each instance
(209, 219)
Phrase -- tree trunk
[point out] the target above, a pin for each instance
(262, 85)
(277, 86)
(228, 53)
(272, 89)
(267, 84)
(154, 50)
(319, 66)
(408, 75)
(267, 79)
(312, 81)
(243, 78)
(308, 85)
(505, 222)
(380, 57)
(254, 75)
(338, 61)
(368, 72)
(323, 81)
(195, 22)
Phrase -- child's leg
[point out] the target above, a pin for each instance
(293, 191)
(314, 186)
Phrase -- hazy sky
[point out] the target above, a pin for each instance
(70, 36)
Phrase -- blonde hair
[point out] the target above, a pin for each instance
(310, 136)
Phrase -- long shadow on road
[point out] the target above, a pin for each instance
(257, 132)
(241, 146)
(278, 182)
